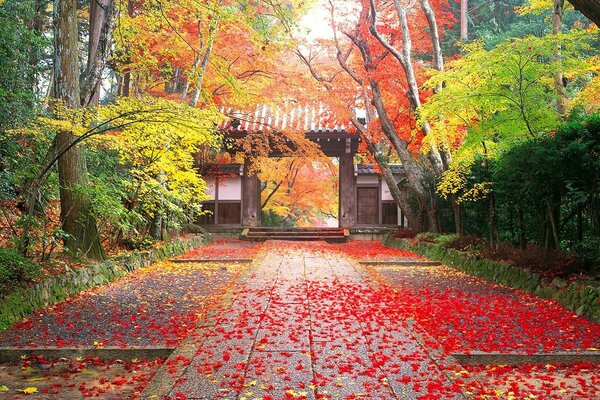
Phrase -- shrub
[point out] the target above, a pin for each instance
(404, 234)
(587, 254)
(446, 240)
(549, 263)
(466, 243)
(15, 269)
(141, 243)
(427, 237)
(193, 228)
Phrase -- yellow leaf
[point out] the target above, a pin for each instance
(4, 388)
(251, 383)
(29, 390)
(37, 378)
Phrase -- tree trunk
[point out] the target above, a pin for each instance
(580, 224)
(589, 8)
(76, 216)
(464, 20)
(204, 64)
(76, 211)
(102, 19)
(126, 84)
(494, 236)
(554, 223)
(404, 57)
(559, 87)
(522, 233)
(456, 210)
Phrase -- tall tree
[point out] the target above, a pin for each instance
(464, 19)
(558, 7)
(76, 209)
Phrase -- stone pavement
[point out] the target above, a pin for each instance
(304, 324)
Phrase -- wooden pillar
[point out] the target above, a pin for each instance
(347, 209)
(250, 198)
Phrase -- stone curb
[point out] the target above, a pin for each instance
(208, 260)
(14, 354)
(404, 263)
(562, 358)
(24, 301)
(581, 297)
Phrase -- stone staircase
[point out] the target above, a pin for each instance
(331, 235)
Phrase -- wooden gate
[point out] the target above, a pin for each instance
(367, 199)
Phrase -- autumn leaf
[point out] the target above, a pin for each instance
(28, 390)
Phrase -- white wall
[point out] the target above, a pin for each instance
(385, 192)
(230, 188)
(210, 186)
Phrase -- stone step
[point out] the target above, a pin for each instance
(300, 234)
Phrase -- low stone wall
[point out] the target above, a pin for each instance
(24, 301)
(583, 297)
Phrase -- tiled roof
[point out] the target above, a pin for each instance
(263, 118)
(397, 169)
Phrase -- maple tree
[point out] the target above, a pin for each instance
(372, 67)
(299, 190)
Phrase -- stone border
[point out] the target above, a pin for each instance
(210, 260)
(24, 301)
(14, 354)
(403, 263)
(561, 358)
(580, 297)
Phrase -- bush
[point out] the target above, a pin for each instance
(404, 234)
(141, 243)
(193, 228)
(587, 254)
(466, 243)
(549, 263)
(427, 237)
(15, 269)
(446, 240)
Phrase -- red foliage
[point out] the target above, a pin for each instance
(224, 249)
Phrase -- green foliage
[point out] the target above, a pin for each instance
(504, 95)
(446, 240)
(139, 243)
(15, 269)
(271, 218)
(193, 228)
(587, 253)
(19, 45)
(427, 237)
(561, 172)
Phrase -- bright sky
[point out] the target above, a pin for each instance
(317, 21)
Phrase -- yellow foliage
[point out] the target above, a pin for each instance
(537, 7)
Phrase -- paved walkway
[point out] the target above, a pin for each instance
(307, 325)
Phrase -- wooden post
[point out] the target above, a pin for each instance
(250, 198)
(347, 209)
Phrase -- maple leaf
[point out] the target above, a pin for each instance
(29, 390)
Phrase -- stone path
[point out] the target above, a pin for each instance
(307, 325)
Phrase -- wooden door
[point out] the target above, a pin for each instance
(367, 204)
